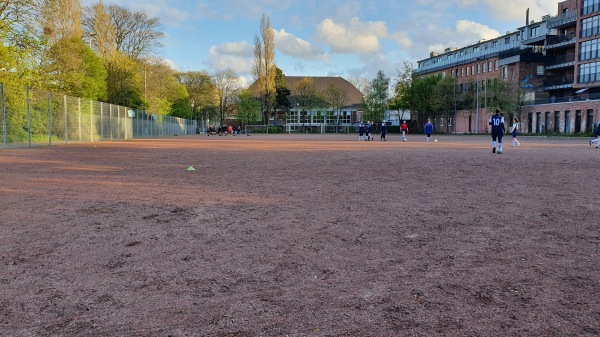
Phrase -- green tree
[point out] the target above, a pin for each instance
(264, 68)
(161, 88)
(248, 108)
(443, 98)
(376, 100)
(203, 96)
(75, 70)
(282, 102)
(124, 81)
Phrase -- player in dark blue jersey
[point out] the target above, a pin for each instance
(428, 129)
(497, 123)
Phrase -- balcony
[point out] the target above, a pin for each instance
(561, 41)
(554, 84)
(560, 61)
(561, 20)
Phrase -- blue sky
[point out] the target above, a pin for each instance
(328, 37)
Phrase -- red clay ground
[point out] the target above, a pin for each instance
(301, 236)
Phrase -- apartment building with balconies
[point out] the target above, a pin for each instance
(555, 62)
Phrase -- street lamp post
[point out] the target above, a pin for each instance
(90, 34)
(477, 99)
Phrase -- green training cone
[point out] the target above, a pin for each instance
(191, 168)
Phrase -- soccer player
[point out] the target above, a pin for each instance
(404, 129)
(428, 129)
(515, 132)
(369, 131)
(383, 130)
(596, 141)
(497, 123)
(361, 130)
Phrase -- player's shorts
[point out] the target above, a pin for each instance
(497, 134)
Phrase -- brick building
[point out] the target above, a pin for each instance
(553, 65)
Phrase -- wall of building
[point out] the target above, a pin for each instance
(565, 125)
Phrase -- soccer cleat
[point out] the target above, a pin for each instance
(493, 150)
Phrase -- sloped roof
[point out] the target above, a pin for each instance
(353, 95)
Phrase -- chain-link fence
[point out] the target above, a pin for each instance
(29, 117)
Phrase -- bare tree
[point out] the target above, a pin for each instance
(62, 19)
(134, 33)
(337, 99)
(226, 83)
(103, 32)
(362, 84)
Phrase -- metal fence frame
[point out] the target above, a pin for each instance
(31, 118)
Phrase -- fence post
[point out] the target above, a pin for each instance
(66, 120)
(27, 99)
(49, 122)
(79, 116)
(91, 121)
(118, 122)
(101, 121)
(110, 120)
(3, 115)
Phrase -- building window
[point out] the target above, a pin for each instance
(478, 68)
(589, 50)
(441, 121)
(590, 6)
(534, 32)
(467, 71)
(540, 70)
(449, 122)
(590, 26)
(472, 70)
(507, 41)
(504, 72)
(462, 72)
(494, 44)
(589, 72)
(490, 66)
(496, 65)
(475, 49)
(484, 66)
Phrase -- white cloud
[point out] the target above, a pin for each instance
(470, 28)
(293, 46)
(434, 38)
(235, 55)
(401, 38)
(513, 9)
(355, 38)
(170, 63)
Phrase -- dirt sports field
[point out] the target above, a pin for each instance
(301, 236)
